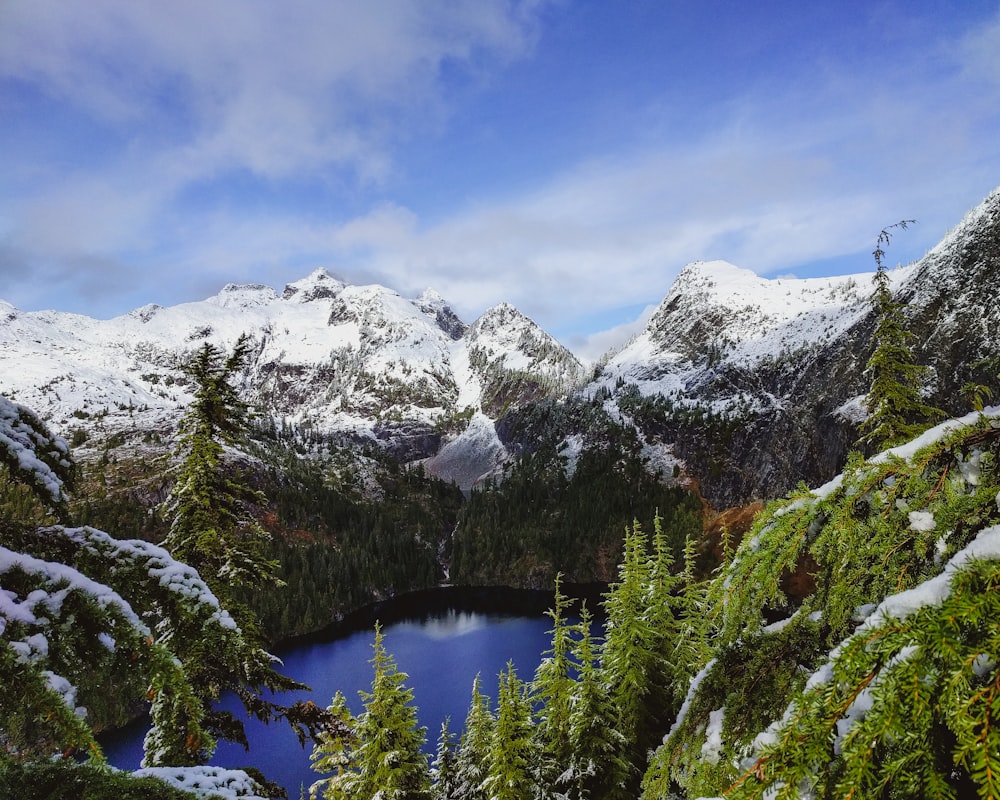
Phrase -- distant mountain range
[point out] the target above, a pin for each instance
(747, 384)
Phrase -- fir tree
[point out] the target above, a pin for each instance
(896, 411)
(444, 776)
(882, 680)
(85, 614)
(34, 457)
(333, 753)
(631, 663)
(474, 747)
(390, 763)
(688, 648)
(596, 768)
(551, 693)
(213, 527)
(509, 776)
(665, 604)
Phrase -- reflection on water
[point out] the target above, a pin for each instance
(441, 652)
(446, 625)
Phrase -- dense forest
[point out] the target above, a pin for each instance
(879, 679)
(350, 525)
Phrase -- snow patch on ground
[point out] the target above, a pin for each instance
(471, 456)
(206, 781)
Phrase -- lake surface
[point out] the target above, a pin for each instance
(442, 649)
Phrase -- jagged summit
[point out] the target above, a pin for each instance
(504, 334)
(361, 361)
(320, 284)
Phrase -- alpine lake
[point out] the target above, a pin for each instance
(441, 638)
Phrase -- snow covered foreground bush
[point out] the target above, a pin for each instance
(880, 678)
(83, 615)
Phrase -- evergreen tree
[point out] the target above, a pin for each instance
(881, 680)
(444, 776)
(90, 620)
(474, 747)
(551, 694)
(213, 527)
(596, 768)
(664, 606)
(34, 457)
(896, 411)
(390, 763)
(685, 627)
(333, 753)
(510, 757)
(632, 663)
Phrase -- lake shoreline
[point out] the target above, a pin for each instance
(504, 600)
(443, 639)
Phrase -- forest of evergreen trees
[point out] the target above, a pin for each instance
(580, 728)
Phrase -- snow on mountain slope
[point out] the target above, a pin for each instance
(728, 365)
(511, 357)
(717, 312)
(758, 383)
(327, 355)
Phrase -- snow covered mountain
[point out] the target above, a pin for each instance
(361, 361)
(746, 385)
(759, 383)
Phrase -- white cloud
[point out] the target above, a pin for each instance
(593, 346)
(808, 169)
(980, 52)
(275, 88)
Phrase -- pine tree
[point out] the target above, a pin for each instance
(389, 757)
(213, 527)
(632, 664)
(333, 753)
(509, 776)
(474, 748)
(896, 411)
(551, 693)
(596, 768)
(444, 776)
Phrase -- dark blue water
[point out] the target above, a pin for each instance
(442, 652)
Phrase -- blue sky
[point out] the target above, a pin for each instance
(568, 157)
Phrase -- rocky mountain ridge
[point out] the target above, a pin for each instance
(747, 385)
(759, 383)
(361, 362)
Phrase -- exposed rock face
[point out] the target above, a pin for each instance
(751, 384)
(763, 379)
(329, 358)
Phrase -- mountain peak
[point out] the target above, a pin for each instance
(243, 295)
(500, 315)
(320, 284)
(431, 297)
(434, 305)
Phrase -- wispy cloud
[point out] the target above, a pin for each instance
(248, 84)
(221, 122)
